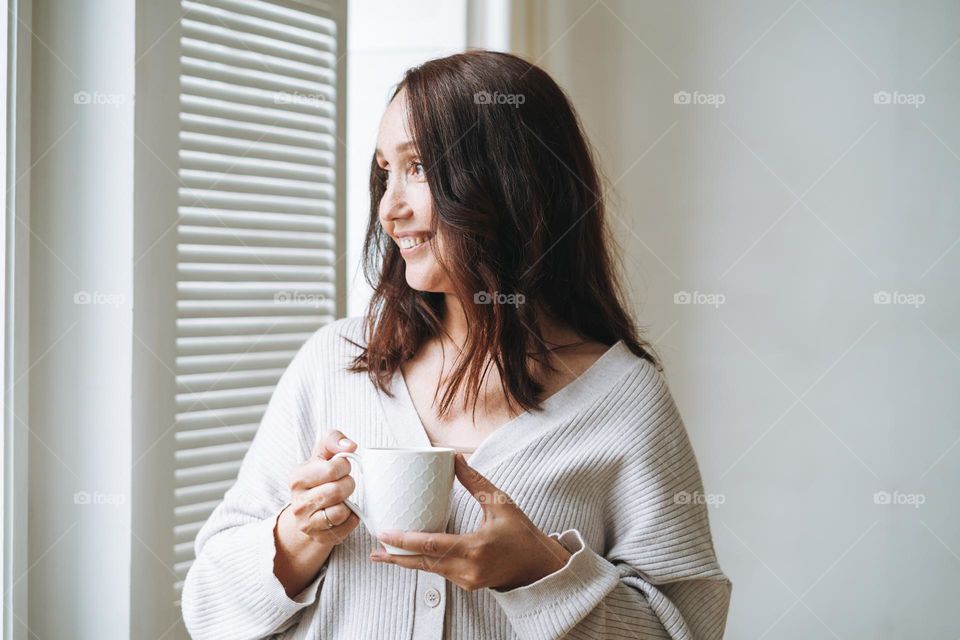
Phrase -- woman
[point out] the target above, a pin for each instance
(496, 327)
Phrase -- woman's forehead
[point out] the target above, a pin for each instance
(394, 134)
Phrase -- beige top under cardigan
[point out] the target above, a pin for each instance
(600, 469)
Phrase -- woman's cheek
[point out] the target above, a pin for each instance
(422, 202)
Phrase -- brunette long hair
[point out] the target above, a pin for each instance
(518, 206)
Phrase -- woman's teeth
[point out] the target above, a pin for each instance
(410, 243)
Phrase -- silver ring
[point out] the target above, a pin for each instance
(327, 518)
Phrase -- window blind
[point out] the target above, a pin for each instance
(256, 237)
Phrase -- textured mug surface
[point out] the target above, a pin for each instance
(402, 489)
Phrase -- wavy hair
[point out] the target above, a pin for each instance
(518, 206)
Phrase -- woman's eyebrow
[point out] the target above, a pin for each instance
(403, 147)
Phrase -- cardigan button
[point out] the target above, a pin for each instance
(432, 597)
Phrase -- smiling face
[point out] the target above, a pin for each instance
(406, 209)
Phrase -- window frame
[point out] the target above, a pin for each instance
(15, 349)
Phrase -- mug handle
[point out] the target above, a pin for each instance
(356, 463)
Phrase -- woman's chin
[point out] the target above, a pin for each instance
(423, 282)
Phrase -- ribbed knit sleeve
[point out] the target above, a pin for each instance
(658, 576)
(231, 590)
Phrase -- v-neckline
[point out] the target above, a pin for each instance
(513, 435)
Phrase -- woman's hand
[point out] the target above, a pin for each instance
(304, 538)
(317, 485)
(506, 552)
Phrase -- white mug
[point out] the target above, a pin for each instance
(403, 489)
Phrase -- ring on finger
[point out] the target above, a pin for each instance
(327, 518)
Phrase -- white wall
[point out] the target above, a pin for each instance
(802, 396)
(81, 276)
(384, 39)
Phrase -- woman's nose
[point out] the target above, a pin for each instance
(394, 206)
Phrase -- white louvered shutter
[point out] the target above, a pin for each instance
(258, 227)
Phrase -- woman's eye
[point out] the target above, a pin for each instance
(418, 170)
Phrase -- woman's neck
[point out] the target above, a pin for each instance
(555, 334)
(454, 321)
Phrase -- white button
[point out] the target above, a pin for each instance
(432, 597)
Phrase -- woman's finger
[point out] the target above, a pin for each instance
(486, 493)
(430, 544)
(343, 525)
(331, 444)
(324, 495)
(443, 566)
(338, 514)
(315, 472)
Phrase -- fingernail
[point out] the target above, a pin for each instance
(386, 536)
(376, 557)
(345, 442)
